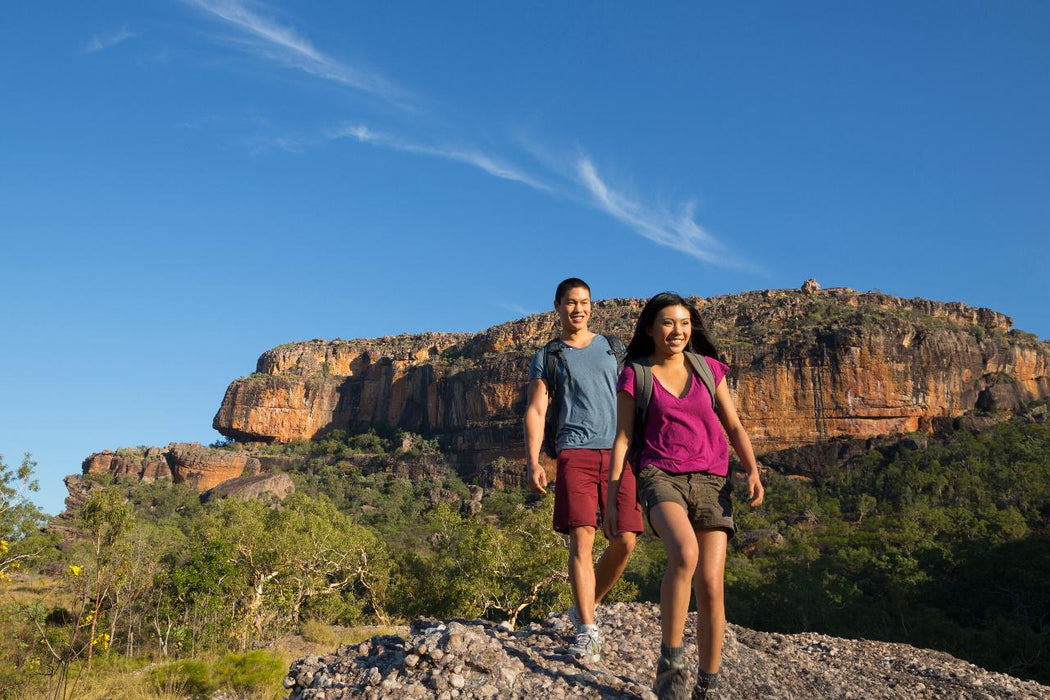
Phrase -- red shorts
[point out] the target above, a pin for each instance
(579, 492)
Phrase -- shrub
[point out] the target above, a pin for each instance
(191, 677)
(259, 672)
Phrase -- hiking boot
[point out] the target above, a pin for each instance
(672, 679)
(586, 646)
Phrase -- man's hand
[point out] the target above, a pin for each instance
(537, 478)
(610, 521)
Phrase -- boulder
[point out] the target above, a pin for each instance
(266, 487)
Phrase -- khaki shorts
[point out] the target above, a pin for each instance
(706, 498)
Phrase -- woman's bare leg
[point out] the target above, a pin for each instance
(676, 532)
(709, 584)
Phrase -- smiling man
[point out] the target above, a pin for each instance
(574, 376)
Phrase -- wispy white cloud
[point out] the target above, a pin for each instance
(514, 308)
(493, 165)
(267, 37)
(678, 231)
(100, 42)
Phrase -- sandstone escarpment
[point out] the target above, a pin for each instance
(807, 366)
(477, 659)
(191, 463)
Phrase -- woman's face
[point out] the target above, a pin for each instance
(671, 330)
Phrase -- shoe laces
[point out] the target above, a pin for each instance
(585, 639)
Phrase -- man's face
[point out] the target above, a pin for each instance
(574, 309)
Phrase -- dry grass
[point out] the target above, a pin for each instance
(127, 680)
(34, 588)
(332, 636)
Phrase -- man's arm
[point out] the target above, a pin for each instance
(535, 417)
(621, 447)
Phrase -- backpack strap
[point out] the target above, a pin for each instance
(643, 390)
(617, 349)
(553, 354)
(703, 370)
(643, 393)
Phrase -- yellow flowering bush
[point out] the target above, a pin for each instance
(101, 641)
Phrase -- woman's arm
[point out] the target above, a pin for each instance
(621, 445)
(741, 443)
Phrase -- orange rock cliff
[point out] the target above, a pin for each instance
(807, 366)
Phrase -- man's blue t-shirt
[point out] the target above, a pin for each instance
(587, 410)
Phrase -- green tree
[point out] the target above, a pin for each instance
(475, 568)
(283, 559)
(19, 517)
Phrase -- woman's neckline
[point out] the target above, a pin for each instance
(685, 392)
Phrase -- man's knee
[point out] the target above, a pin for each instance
(624, 544)
(581, 542)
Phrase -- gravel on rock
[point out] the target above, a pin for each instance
(478, 659)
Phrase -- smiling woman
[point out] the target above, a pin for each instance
(681, 464)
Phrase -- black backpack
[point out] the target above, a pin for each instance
(553, 354)
(643, 393)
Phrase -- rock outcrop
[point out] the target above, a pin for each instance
(265, 487)
(808, 366)
(147, 465)
(64, 524)
(180, 462)
(477, 659)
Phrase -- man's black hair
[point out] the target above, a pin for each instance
(566, 285)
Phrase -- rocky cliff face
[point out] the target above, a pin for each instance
(477, 659)
(191, 463)
(807, 366)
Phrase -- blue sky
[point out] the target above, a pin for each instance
(184, 185)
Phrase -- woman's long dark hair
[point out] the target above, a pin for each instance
(642, 344)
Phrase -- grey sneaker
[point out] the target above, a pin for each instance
(574, 617)
(672, 679)
(705, 694)
(586, 646)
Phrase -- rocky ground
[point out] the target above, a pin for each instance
(476, 659)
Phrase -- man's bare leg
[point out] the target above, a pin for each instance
(581, 571)
(611, 564)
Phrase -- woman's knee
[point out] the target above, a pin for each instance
(682, 555)
(710, 587)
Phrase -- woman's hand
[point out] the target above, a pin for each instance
(609, 522)
(755, 491)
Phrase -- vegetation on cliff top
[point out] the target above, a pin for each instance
(785, 317)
